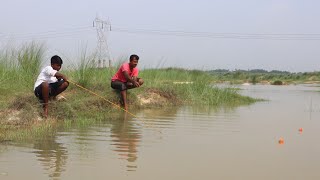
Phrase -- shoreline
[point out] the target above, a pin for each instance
(21, 119)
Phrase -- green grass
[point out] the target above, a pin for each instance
(19, 69)
(192, 87)
(28, 133)
(242, 76)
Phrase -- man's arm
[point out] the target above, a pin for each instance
(132, 80)
(61, 76)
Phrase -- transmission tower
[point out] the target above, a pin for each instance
(102, 51)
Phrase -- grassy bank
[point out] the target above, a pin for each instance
(21, 112)
(265, 77)
(192, 87)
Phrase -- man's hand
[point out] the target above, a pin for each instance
(61, 76)
(136, 84)
(65, 79)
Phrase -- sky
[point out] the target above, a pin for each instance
(203, 34)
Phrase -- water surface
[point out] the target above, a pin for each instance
(184, 143)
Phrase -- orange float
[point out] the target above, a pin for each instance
(281, 141)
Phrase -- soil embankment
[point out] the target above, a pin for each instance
(26, 110)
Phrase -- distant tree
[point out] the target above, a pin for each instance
(258, 71)
(279, 72)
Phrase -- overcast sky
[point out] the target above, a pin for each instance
(232, 34)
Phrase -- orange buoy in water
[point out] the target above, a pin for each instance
(300, 130)
(281, 141)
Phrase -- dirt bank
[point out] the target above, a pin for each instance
(25, 110)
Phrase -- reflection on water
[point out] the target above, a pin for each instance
(184, 143)
(126, 132)
(52, 155)
(125, 138)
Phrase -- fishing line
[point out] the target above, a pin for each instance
(88, 90)
(103, 98)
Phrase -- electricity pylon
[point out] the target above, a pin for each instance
(103, 54)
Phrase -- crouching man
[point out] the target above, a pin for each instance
(50, 83)
(127, 78)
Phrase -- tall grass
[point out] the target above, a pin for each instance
(7, 69)
(84, 73)
(192, 87)
(29, 62)
(18, 69)
(89, 75)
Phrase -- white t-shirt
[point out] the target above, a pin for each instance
(46, 75)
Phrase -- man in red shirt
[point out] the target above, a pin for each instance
(126, 78)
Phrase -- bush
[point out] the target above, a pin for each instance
(277, 82)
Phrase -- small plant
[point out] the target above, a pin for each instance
(277, 82)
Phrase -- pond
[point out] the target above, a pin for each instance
(184, 143)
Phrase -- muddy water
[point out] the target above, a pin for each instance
(185, 143)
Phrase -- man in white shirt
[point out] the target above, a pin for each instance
(50, 83)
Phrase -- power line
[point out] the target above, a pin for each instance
(258, 36)
(48, 34)
(103, 27)
(71, 29)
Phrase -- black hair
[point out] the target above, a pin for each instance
(56, 60)
(134, 56)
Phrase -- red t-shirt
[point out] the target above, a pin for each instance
(125, 67)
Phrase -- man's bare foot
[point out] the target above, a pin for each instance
(60, 98)
(121, 102)
(45, 115)
(57, 98)
(45, 112)
(125, 106)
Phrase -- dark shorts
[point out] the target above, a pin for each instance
(119, 85)
(53, 87)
